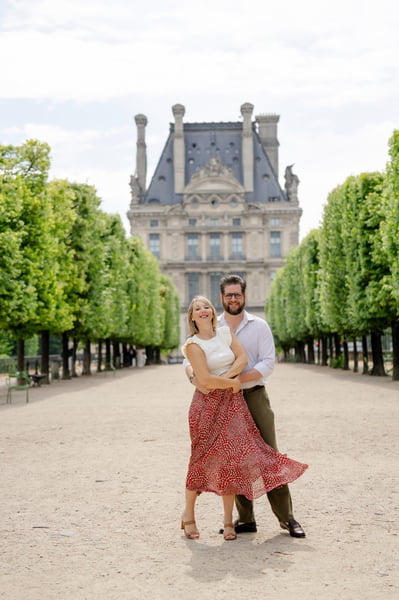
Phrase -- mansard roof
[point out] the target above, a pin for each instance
(203, 141)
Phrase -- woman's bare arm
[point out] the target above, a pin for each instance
(197, 359)
(241, 360)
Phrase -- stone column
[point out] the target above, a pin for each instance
(247, 147)
(267, 129)
(178, 147)
(141, 156)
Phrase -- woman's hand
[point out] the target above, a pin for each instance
(236, 384)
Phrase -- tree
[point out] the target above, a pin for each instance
(24, 236)
(145, 313)
(390, 241)
(171, 314)
(333, 280)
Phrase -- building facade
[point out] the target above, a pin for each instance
(214, 205)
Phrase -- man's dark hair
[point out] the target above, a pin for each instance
(232, 280)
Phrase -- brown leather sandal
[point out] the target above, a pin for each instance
(190, 536)
(229, 536)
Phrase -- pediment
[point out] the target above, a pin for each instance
(214, 177)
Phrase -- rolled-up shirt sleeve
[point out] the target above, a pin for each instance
(258, 342)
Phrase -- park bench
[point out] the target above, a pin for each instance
(17, 380)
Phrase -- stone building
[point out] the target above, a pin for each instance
(214, 205)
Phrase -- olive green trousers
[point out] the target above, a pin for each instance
(280, 498)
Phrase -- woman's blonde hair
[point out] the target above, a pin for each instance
(192, 328)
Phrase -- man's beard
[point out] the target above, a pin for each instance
(233, 311)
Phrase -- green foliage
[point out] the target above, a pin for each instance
(23, 235)
(390, 227)
(146, 314)
(171, 314)
(292, 307)
(344, 277)
(6, 345)
(32, 346)
(310, 249)
(65, 265)
(333, 281)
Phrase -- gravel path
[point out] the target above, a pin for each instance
(92, 485)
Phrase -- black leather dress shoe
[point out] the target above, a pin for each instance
(294, 528)
(243, 527)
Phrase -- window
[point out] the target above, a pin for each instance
(154, 223)
(193, 285)
(272, 276)
(275, 222)
(214, 246)
(192, 246)
(236, 222)
(214, 222)
(275, 243)
(236, 245)
(155, 244)
(215, 289)
(192, 222)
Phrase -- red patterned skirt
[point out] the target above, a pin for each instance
(228, 454)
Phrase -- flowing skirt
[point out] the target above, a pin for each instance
(228, 454)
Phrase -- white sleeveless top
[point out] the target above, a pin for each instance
(219, 356)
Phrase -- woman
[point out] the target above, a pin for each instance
(228, 454)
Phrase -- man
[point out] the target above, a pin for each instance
(257, 340)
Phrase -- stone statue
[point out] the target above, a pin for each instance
(291, 183)
(135, 190)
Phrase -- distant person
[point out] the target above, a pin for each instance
(228, 454)
(256, 338)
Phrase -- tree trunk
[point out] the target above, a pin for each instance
(45, 360)
(346, 356)
(117, 354)
(108, 354)
(324, 352)
(157, 356)
(87, 359)
(150, 355)
(125, 355)
(355, 357)
(330, 349)
(395, 351)
(99, 355)
(310, 345)
(65, 356)
(337, 345)
(74, 357)
(365, 352)
(378, 357)
(20, 355)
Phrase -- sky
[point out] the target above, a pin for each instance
(75, 73)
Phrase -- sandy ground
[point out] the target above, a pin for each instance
(92, 484)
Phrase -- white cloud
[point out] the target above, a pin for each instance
(86, 51)
(329, 69)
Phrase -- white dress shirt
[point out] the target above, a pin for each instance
(257, 340)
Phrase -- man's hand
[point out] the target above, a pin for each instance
(236, 384)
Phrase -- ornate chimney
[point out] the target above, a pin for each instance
(247, 147)
(141, 156)
(178, 147)
(267, 129)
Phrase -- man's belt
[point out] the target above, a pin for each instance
(252, 389)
